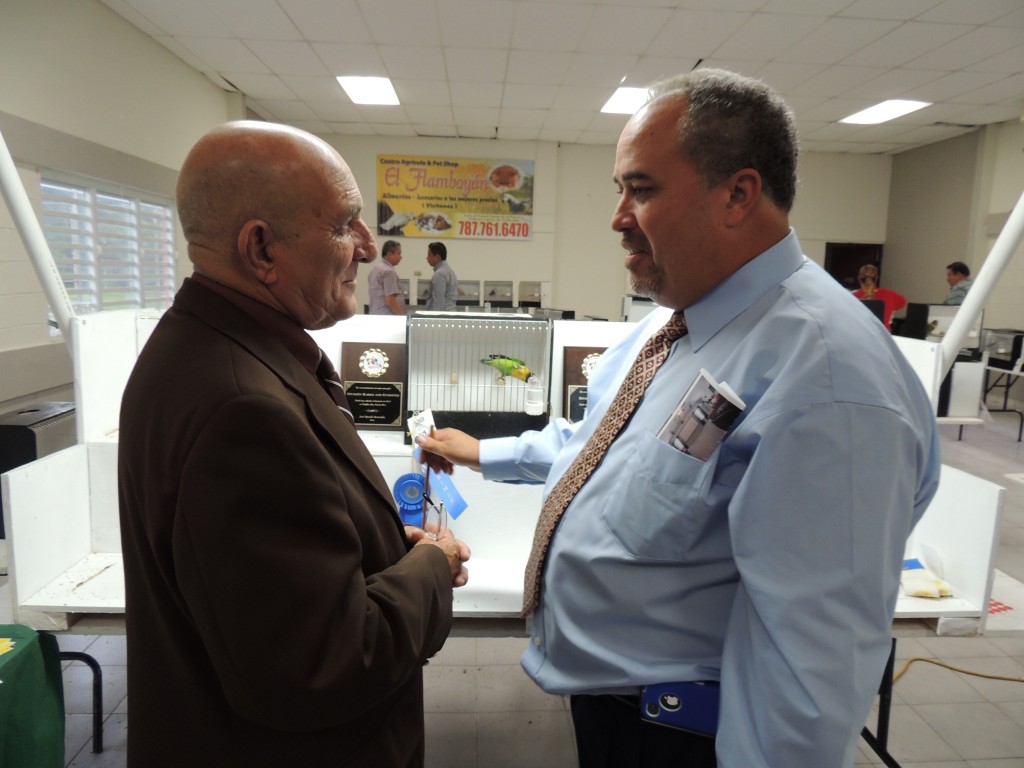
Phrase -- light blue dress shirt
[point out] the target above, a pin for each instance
(773, 566)
(444, 288)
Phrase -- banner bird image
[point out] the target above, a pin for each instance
(507, 366)
(395, 223)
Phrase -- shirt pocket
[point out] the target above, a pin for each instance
(658, 511)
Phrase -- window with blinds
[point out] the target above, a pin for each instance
(114, 248)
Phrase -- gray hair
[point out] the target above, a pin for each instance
(734, 122)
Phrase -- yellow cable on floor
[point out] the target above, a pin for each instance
(906, 665)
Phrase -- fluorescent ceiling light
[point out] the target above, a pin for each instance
(369, 90)
(887, 110)
(626, 101)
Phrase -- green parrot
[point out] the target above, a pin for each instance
(507, 366)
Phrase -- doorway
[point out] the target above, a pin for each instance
(844, 260)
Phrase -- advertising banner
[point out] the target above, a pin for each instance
(450, 197)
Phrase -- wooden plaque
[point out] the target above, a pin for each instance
(576, 366)
(374, 379)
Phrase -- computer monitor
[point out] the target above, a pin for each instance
(932, 321)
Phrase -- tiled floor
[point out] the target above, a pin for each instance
(482, 711)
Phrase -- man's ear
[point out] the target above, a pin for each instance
(255, 239)
(744, 188)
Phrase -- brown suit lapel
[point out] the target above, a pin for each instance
(245, 331)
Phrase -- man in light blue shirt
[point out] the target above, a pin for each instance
(444, 285)
(773, 566)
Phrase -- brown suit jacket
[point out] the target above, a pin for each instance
(276, 615)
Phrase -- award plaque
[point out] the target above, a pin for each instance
(374, 378)
(577, 366)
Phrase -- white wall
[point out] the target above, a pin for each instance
(1004, 159)
(930, 215)
(86, 92)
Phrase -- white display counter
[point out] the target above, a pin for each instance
(60, 512)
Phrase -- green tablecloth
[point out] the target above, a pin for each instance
(31, 699)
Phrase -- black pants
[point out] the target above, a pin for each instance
(611, 734)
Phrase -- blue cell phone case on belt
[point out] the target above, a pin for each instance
(690, 706)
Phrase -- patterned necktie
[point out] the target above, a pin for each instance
(651, 356)
(331, 382)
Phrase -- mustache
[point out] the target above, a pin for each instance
(635, 243)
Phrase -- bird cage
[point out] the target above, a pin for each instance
(486, 374)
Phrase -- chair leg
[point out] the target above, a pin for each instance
(97, 694)
(880, 742)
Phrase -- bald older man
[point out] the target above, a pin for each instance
(278, 612)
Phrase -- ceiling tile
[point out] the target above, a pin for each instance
(289, 110)
(547, 67)
(836, 81)
(971, 11)
(518, 134)
(476, 116)
(695, 34)
(836, 39)
(320, 127)
(473, 131)
(476, 23)
(350, 59)
(256, 19)
(1008, 62)
(182, 18)
(428, 114)
(322, 88)
(406, 61)
(561, 59)
(327, 21)
(528, 96)
(260, 86)
(288, 58)
(806, 7)
(446, 129)
(476, 94)
(949, 87)
(339, 109)
(905, 43)
(223, 54)
(358, 128)
(422, 91)
(576, 97)
(894, 84)
(382, 114)
(978, 115)
(393, 129)
(999, 89)
(549, 27)
(399, 22)
(623, 30)
(970, 48)
(904, 10)
(594, 68)
(767, 36)
(476, 65)
(559, 135)
(563, 119)
(522, 118)
(650, 69)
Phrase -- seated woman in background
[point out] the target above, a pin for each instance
(869, 289)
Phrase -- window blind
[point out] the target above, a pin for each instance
(113, 247)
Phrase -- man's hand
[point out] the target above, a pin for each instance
(446, 448)
(456, 551)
